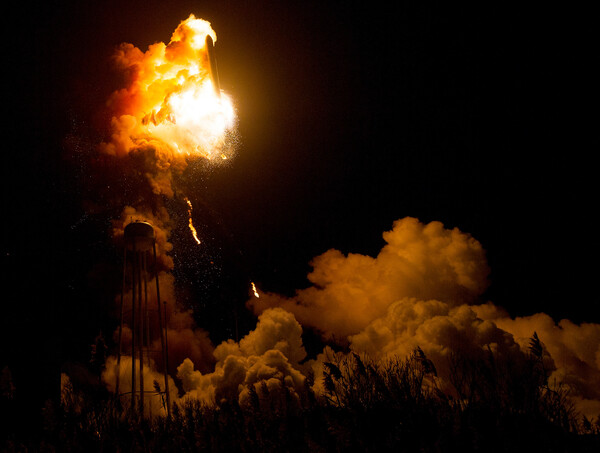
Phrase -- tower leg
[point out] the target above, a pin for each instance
(141, 332)
(120, 350)
(133, 329)
(163, 335)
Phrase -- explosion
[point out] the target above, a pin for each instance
(423, 290)
(171, 97)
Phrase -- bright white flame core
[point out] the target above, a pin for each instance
(197, 121)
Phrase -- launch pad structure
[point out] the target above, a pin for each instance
(147, 342)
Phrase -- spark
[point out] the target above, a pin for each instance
(254, 290)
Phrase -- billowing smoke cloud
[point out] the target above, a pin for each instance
(423, 290)
(263, 365)
(155, 401)
(574, 349)
(420, 261)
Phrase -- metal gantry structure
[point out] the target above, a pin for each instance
(147, 324)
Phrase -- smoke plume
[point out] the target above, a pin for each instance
(419, 261)
(423, 290)
(265, 363)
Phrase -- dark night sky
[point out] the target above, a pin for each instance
(350, 117)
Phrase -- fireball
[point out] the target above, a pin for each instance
(172, 97)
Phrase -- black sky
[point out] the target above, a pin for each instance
(350, 117)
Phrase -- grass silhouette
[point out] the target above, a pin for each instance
(367, 406)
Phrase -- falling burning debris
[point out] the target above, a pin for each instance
(190, 223)
(254, 290)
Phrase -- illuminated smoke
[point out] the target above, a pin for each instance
(170, 102)
(419, 261)
(266, 359)
(423, 290)
(153, 383)
(574, 350)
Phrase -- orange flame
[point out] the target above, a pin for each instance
(170, 96)
(190, 223)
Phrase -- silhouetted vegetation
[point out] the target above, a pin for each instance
(490, 405)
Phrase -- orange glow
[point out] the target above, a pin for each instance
(190, 223)
(170, 96)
